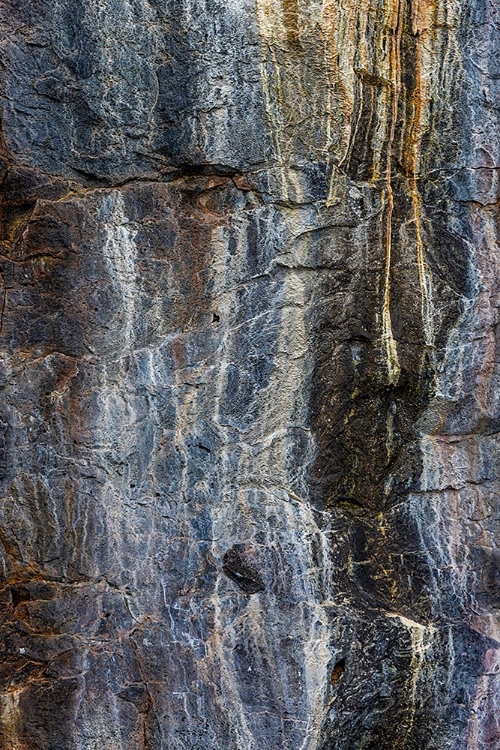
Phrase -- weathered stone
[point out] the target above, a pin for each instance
(250, 415)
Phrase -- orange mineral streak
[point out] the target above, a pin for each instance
(340, 100)
(421, 22)
(351, 70)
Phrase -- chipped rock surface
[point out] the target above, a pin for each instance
(250, 397)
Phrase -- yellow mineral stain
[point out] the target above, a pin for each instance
(421, 637)
(424, 275)
(381, 524)
(332, 71)
(337, 672)
(389, 440)
(332, 188)
(349, 416)
(273, 86)
(9, 718)
(388, 341)
(278, 20)
(421, 13)
(290, 11)
(393, 366)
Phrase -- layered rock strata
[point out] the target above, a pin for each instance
(250, 418)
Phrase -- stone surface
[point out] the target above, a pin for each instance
(250, 414)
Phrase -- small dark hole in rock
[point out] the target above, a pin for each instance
(246, 577)
(215, 318)
(19, 595)
(338, 671)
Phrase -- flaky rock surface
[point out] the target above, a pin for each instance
(250, 417)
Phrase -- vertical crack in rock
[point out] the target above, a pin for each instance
(249, 425)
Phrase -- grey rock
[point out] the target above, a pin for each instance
(250, 414)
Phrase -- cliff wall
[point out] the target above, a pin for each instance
(250, 398)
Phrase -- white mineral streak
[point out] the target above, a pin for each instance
(281, 26)
(105, 723)
(485, 706)
(264, 502)
(457, 479)
(119, 253)
(132, 93)
(457, 512)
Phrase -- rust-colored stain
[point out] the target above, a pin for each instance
(365, 105)
(290, 10)
(422, 13)
(337, 672)
(372, 79)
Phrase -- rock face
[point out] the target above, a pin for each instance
(250, 413)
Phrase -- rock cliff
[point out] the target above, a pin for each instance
(250, 393)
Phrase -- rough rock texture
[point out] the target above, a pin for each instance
(250, 413)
